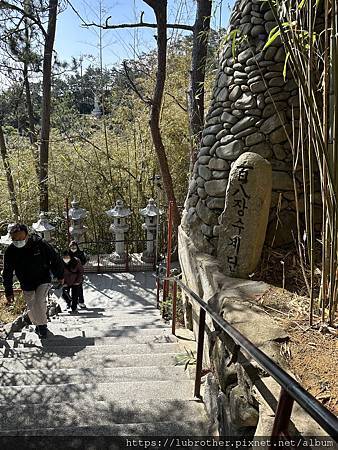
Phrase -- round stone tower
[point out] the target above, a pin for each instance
(253, 109)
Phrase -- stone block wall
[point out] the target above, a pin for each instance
(239, 396)
(254, 109)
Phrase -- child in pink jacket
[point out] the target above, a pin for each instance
(73, 278)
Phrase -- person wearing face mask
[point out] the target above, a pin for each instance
(73, 277)
(33, 260)
(78, 253)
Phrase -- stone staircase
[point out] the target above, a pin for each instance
(108, 370)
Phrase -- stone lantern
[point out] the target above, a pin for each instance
(97, 111)
(43, 227)
(6, 240)
(151, 217)
(119, 227)
(76, 216)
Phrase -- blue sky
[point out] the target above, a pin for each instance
(74, 40)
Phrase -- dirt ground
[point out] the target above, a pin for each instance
(311, 353)
(10, 313)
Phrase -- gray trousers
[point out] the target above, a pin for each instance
(36, 302)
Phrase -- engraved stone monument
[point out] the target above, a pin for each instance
(244, 219)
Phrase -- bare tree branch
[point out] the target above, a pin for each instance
(160, 10)
(8, 6)
(76, 11)
(137, 25)
(178, 103)
(147, 101)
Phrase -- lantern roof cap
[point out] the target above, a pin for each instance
(42, 224)
(75, 212)
(119, 210)
(151, 209)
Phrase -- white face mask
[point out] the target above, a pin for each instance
(73, 249)
(66, 260)
(19, 244)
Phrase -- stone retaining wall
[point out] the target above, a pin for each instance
(240, 397)
(252, 109)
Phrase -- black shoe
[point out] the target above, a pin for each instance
(26, 320)
(41, 330)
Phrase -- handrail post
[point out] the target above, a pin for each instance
(68, 220)
(282, 415)
(173, 323)
(200, 346)
(157, 292)
(127, 255)
(155, 254)
(98, 257)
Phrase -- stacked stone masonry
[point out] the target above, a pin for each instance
(253, 109)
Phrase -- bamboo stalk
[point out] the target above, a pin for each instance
(318, 148)
(334, 140)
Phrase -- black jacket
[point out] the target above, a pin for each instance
(32, 264)
(79, 254)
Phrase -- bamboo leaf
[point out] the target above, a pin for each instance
(285, 64)
(271, 39)
(233, 36)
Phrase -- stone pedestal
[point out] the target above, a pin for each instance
(119, 256)
(149, 253)
(119, 227)
(151, 216)
(76, 216)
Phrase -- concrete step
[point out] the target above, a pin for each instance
(92, 413)
(122, 313)
(116, 332)
(31, 351)
(118, 302)
(102, 437)
(105, 327)
(57, 341)
(74, 392)
(92, 375)
(92, 360)
(108, 370)
(86, 315)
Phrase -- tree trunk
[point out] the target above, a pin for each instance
(29, 104)
(8, 170)
(32, 134)
(46, 104)
(160, 10)
(197, 75)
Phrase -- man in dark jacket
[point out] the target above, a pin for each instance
(32, 259)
